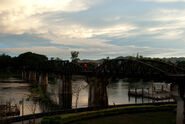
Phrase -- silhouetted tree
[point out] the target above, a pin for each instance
(181, 64)
(74, 56)
(31, 60)
(5, 62)
(76, 91)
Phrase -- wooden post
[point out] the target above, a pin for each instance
(135, 95)
(22, 110)
(135, 99)
(142, 92)
(129, 93)
(154, 88)
(142, 95)
(135, 92)
(148, 91)
(129, 90)
(162, 88)
(148, 94)
(22, 76)
(1, 116)
(6, 112)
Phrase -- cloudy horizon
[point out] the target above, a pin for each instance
(97, 29)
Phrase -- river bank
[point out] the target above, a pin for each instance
(110, 114)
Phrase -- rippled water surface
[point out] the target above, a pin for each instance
(117, 94)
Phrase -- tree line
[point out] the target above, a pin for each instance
(8, 63)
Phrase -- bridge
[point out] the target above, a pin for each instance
(98, 77)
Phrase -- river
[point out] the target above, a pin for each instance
(117, 94)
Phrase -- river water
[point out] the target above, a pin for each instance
(117, 94)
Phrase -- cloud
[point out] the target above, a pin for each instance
(31, 7)
(29, 16)
(165, 24)
(20, 16)
(115, 18)
(95, 43)
(50, 51)
(86, 36)
(120, 30)
(172, 35)
(64, 28)
(168, 15)
(163, 1)
(96, 53)
(18, 26)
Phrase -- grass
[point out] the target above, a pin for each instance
(132, 113)
(139, 118)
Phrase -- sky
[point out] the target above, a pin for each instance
(95, 28)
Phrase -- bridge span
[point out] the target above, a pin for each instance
(98, 77)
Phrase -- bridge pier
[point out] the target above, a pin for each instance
(43, 79)
(24, 77)
(65, 92)
(97, 92)
(32, 77)
(178, 92)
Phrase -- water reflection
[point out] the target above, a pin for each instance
(15, 93)
(117, 94)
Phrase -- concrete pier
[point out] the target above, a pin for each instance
(65, 92)
(32, 77)
(97, 92)
(178, 92)
(24, 76)
(43, 79)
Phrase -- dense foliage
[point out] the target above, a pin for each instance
(34, 61)
(5, 61)
(8, 63)
(75, 117)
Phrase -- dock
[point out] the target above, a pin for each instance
(150, 93)
(9, 110)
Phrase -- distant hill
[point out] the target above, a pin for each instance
(90, 61)
(126, 57)
(174, 59)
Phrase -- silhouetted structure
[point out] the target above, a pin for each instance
(98, 77)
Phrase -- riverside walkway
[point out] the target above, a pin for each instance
(39, 116)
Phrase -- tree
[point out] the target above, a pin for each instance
(30, 60)
(181, 64)
(36, 94)
(74, 56)
(58, 59)
(139, 56)
(5, 61)
(5, 66)
(76, 91)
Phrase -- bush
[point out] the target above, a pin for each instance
(106, 112)
(51, 120)
(45, 121)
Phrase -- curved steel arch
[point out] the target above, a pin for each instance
(169, 68)
(130, 68)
